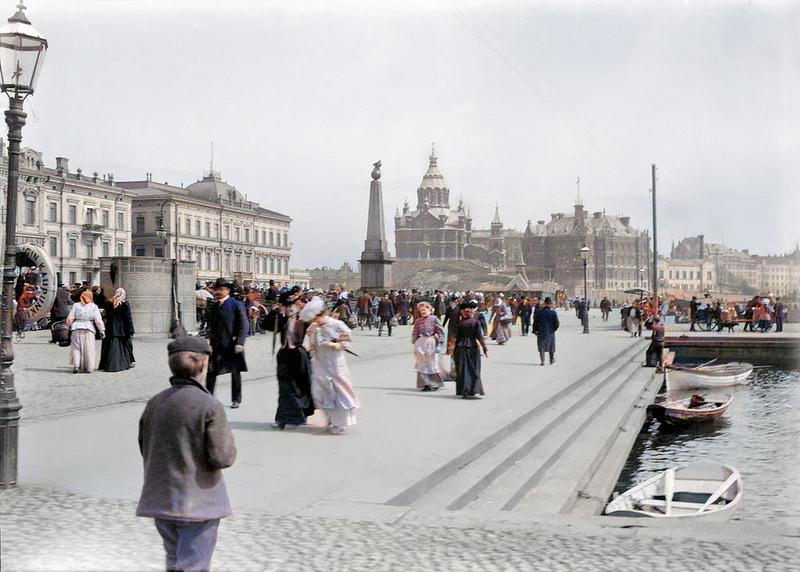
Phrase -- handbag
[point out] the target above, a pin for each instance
(98, 335)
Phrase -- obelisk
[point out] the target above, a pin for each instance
(376, 262)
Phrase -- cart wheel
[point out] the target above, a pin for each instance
(706, 324)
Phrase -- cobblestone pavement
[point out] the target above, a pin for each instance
(57, 530)
(277, 523)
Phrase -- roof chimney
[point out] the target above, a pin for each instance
(62, 166)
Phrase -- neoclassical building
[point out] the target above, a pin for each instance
(76, 218)
(619, 255)
(212, 223)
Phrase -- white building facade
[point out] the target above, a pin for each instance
(76, 218)
(213, 224)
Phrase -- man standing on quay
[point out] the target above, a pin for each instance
(545, 324)
(227, 331)
(185, 442)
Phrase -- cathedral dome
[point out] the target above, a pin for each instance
(212, 187)
(433, 188)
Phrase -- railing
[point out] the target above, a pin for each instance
(93, 229)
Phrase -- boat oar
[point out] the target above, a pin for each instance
(720, 491)
(669, 489)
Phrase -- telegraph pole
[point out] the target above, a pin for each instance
(655, 246)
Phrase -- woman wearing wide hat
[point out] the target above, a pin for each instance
(467, 357)
(330, 377)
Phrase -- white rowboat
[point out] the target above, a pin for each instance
(708, 376)
(702, 490)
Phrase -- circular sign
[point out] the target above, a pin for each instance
(36, 285)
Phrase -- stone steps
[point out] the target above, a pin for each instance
(490, 475)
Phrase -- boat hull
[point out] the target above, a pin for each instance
(679, 414)
(708, 377)
(705, 490)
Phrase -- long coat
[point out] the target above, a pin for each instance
(545, 324)
(185, 443)
(227, 328)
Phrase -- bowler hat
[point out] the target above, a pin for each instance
(189, 344)
(223, 283)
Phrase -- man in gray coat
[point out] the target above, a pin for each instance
(185, 443)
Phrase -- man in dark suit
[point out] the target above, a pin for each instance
(227, 332)
(545, 324)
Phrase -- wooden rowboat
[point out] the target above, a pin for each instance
(684, 412)
(707, 376)
(702, 490)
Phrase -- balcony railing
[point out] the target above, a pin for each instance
(93, 229)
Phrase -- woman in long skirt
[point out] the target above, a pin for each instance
(84, 320)
(294, 381)
(426, 337)
(501, 314)
(116, 352)
(469, 341)
(330, 378)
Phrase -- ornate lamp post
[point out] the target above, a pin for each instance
(22, 51)
(177, 329)
(585, 316)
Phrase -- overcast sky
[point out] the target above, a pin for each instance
(521, 99)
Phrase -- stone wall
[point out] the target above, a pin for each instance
(148, 282)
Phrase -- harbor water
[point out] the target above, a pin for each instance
(759, 435)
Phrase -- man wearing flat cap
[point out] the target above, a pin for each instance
(227, 332)
(185, 443)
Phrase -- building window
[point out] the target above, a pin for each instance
(105, 219)
(73, 277)
(236, 234)
(216, 261)
(684, 274)
(285, 239)
(158, 251)
(72, 214)
(89, 215)
(708, 276)
(208, 230)
(247, 235)
(73, 247)
(106, 248)
(277, 239)
(227, 263)
(30, 210)
(53, 212)
(263, 237)
(188, 226)
(227, 232)
(271, 238)
(272, 266)
(120, 249)
(138, 251)
(280, 266)
(208, 261)
(120, 220)
(89, 249)
(140, 226)
(197, 225)
(238, 261)
(53, 246)
(247, 264)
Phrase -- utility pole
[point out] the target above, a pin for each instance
(655, 245)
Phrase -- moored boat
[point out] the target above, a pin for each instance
(689, 410)
(707, 376)
(702, 490)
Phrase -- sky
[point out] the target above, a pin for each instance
(521, 99)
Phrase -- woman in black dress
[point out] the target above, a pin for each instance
(117, 350)
(466, 354)
(294, 382)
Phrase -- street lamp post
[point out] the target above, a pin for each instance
(585, 258)
(22, 52)
(642, 270)
(177, 329)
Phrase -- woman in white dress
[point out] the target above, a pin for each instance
(426, 337)
(327, 341)
(84, 320)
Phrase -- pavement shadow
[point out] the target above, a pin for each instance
(250, 425)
